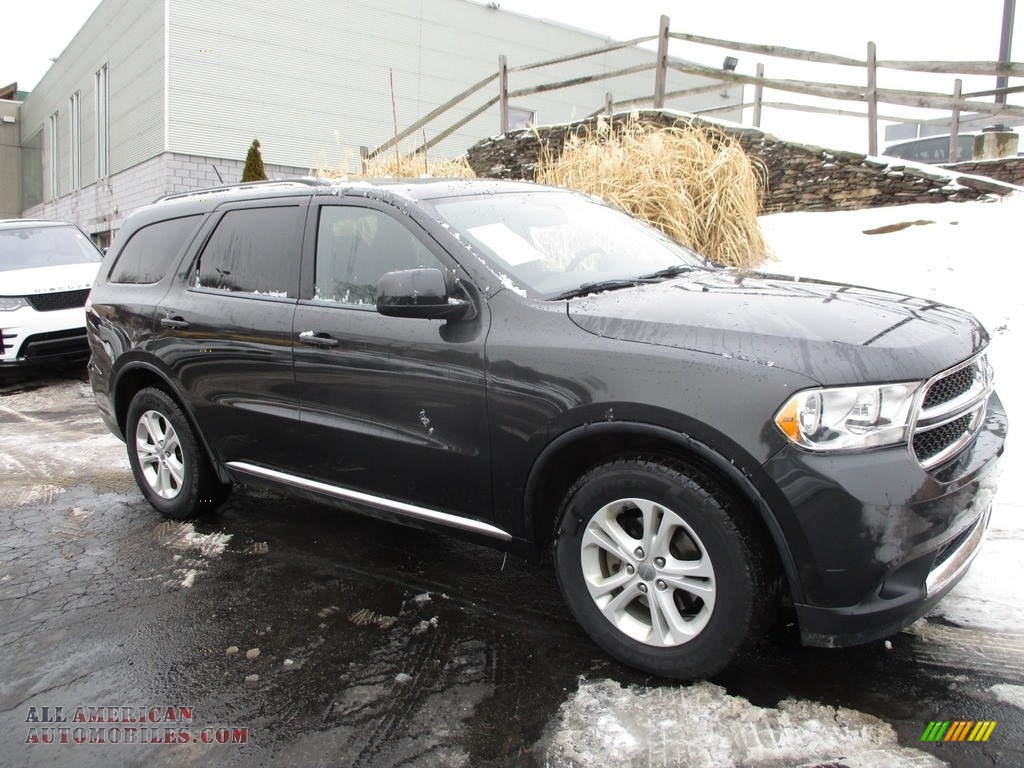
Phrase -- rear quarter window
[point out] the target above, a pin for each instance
(150, 252)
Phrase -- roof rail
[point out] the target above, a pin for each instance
(308, 181)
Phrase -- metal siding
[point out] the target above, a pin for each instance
(320, 88)
(127, 34)
(136, 86)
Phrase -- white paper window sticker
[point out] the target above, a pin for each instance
(510, 247)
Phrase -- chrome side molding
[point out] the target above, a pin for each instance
(390, 505)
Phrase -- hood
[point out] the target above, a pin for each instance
(835, 334)
(66, 277)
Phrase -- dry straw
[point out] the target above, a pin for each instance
(400, 166)
(696, 184)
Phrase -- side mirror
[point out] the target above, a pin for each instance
(421, 293)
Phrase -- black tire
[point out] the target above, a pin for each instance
(655, 617)
(169, 463)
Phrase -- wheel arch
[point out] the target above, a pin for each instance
(574, 452)
(133, 378)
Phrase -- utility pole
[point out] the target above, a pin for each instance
(1005, 39)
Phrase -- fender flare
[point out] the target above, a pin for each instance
(137, 365)
(740, 480)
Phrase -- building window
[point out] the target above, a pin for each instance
(32, 171)
(103, 122)
(55, 155)
(519, 118)
(75, 115)
(102, 239)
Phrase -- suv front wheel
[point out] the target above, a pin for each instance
(663, 568)
(169, 464)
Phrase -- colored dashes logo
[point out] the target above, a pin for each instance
(958, 730)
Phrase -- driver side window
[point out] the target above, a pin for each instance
(356, 247)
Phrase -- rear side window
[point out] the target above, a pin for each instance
(149, 253)
(252, 251)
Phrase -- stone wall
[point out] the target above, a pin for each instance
(1009, 169)
(800, 177)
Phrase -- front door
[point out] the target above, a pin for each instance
(391, 407)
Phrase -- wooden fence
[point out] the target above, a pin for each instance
(955, 103)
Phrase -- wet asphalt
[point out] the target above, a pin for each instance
(379, 645)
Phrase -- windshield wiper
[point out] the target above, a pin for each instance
(611, 285)
(673, 271)
(608, 285)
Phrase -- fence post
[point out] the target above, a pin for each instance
(364, 157)
(1005, 40)
(872, 103)
(503, 91)
(609, 105)
(954, 121)
(758, 94)
(662, 65)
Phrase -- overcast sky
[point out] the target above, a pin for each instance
(966, 30)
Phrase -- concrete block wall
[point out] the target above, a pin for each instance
(104, 206)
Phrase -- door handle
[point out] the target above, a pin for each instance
(174, 322)
(315, 339)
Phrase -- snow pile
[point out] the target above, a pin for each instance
(1011, 694)
(701, 725)
(195, 546)
(182, 536)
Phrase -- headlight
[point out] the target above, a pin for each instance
(10, 303)
(849, 418)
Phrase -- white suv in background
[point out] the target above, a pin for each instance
(47, 269)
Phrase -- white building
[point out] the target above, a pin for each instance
(154, 97)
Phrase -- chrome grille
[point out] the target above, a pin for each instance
(934, 441)
(952, 411)
(950, 387)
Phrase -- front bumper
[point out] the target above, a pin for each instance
(875, 539)
(28, 337)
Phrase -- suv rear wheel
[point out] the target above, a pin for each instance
(662, 568)
(169, 463)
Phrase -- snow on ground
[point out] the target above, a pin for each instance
(1011, 694)
(194, 547)
(701, 726)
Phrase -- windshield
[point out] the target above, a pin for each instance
(555, 243)
(31, 247)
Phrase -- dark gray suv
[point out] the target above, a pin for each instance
(533, 370)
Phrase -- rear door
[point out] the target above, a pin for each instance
(391, 407)
(226, 332)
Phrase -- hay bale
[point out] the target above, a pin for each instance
(696, 184)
